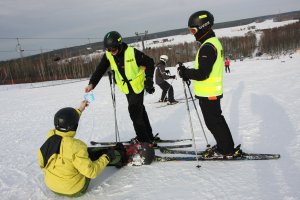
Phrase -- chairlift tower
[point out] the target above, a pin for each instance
(19, 48)
(141, 37)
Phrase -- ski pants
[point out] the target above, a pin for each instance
(139, 117)
(227, 68)
(166, 88)
(216, 123)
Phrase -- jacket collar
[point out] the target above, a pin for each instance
(65, 134)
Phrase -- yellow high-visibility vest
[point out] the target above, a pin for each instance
(213, 86)
(134, 73)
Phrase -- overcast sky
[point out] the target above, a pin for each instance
(53, 20)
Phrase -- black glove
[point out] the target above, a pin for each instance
(111, 154)
(122, 154)
(172, 77)
(149, 85)
(167, 71)
(181, 71)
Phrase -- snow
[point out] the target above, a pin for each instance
(261, 105)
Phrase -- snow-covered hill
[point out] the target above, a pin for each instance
(261, 104)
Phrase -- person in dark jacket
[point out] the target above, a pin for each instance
(133, 72)
(161, 75)
(207, 77)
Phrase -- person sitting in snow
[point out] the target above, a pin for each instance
(67, 163)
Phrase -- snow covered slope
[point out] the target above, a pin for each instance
(261, 105)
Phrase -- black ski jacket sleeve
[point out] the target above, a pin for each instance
(141, 59)
(100, 71)
(206, 59)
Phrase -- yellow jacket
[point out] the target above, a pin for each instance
(66, 172)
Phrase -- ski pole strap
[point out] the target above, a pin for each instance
(188, 82)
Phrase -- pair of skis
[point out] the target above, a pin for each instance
(172, 152)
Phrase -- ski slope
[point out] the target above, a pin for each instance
(261, 105)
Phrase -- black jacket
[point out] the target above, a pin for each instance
(206, 59)
(160, 73)
(141, 59)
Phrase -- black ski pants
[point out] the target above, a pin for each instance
(216, 123)
(227, 68)
(166, 88)
(139, 117)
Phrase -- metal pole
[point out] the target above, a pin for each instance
(191, 124)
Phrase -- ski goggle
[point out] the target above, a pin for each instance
(193, 30)
(112, 49)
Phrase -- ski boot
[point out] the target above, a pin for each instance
(237, 151)
(155, 140)
(140, 154)
(212, 152)
(172, 102)
(163, 100)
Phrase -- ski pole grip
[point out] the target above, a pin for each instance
(109, 76)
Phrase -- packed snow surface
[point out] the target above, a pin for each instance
(261, 105)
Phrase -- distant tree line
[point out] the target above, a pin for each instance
(281, 39)
(45, 68)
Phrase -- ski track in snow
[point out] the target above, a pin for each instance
(261, 105)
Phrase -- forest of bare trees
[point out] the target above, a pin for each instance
(280, 40)
(273, 41)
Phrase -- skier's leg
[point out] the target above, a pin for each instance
(164, 87)
(137, 114)
(217, 125)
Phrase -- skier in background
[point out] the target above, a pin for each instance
(133, 72)
(208, 84)
(67, 163)
(227, 63)
(161, 75)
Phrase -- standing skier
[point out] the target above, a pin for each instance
(160, 79)
(227, 63)
(208, 84)
(67, 163)
(133, 72)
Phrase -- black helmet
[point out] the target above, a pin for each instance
(66, 119)
(202, 20)
(112, 39)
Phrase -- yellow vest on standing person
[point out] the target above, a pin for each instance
(134, 74)
(213, 85)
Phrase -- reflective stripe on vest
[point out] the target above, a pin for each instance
(213, 86)
(134, 74)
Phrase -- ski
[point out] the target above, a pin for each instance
(177, 99)
(155, 147)
(128, 142)
(244, 156)
(166, 104)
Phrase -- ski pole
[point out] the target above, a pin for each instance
(191, 124)
(188, 84)
(113, 97)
